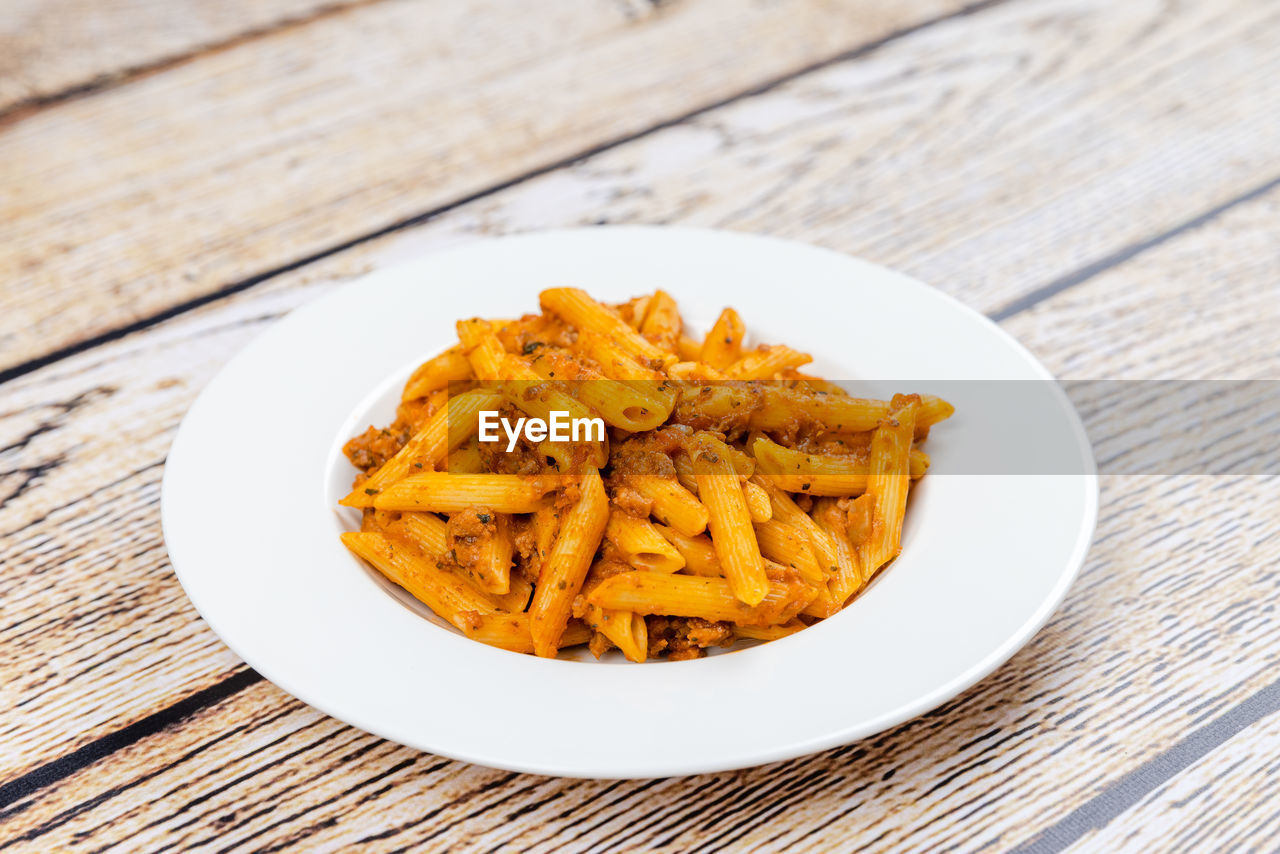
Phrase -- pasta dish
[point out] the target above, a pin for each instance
(595, 475)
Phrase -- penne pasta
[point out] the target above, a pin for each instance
(571, 555)
(624, 629)
(586, 314)
(662, 322)
(728, 520)
(436, 374)
(768, 633)
(767, 361)
(723, 344)
(699, 596)
(443, 592)
(511, 632)
(787, 545)
(849, 575)
(757, 502)
(444, 492)
(889, 481)
(698, 552)
(642, 544)
(672, 504)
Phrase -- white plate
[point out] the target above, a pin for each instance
(253, 476)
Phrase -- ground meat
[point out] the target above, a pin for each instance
(533, 331)
(631, 502)
(685, 637)
(468, 534)
(720, 407)
(376, 445)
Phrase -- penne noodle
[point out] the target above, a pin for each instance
(768, 633)
(615, 362)
(697, 596)
(511, 632)
(426, 531)
(436, 373)
(662, 323)
(467, 459)
(786, 511)
(835, 413)
(483, 349)
(427, 449)
(672, 504)
(581, 531)
(763, 363)
(494, 570)
(723, 344)
(587, 315)
(728, 520)
(698, 552)
(446, 594)
(688, 349)
(822, 474)
(757, 502)
(624, 629)
(849, 575)
(889, 481)
(642, 544)
(786, 544)
(443, 492)
(633, 405)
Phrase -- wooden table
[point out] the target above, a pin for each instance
(1101, 178)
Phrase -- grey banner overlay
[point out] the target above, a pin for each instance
(1026, 427)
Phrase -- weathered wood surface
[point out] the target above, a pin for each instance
(1053, 719)
(66, 468)
(49, 48)
(1227, 801)
(253, 157)
(1166, 631)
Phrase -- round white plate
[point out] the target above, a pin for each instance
(254, 474)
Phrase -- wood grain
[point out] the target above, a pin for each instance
(1101, 689)
(49, 47)
(256, 156)
(83, 417)
(91, 534)
(1225, 801)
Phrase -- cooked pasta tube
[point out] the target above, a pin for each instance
(581, 531)
(662, 322)
(728, 520)
(757, 502)
(698, 553)
(785, 510)
(642, 544)
(835, 413)
(889, 482)
(723, 344)
(672, 504)
(577, 307)
(698, 596)
(444, 492)
(436, 373)
(768, 633)
(511, 632)
(786, 544)
(624, 629)
(445, 593)
(849, 575)
(764, 362)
